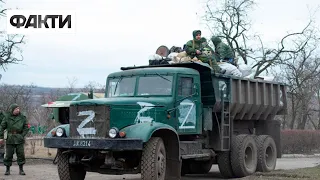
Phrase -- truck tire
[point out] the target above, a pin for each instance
(66, 171)
(153, 161)
(244, 155)
(267, 153)
(224, 164)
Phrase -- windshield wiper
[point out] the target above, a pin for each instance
(163, 77)
(115, 89)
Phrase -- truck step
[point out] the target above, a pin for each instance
(193, 156)
(206, 153)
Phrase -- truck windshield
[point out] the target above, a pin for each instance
(155, 85)
(123, 86)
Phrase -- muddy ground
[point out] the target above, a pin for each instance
(287, 168)
(46, 170)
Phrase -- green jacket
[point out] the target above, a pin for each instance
(14, 124)
(222, 50)
(194, 44)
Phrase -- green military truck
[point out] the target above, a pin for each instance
(165, 121)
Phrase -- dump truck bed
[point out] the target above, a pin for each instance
(249, 99)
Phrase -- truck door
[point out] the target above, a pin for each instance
(188, 104)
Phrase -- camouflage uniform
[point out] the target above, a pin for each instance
(223, 51)
(1, 145)
(194, 44)
(17, 129)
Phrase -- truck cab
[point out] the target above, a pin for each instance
(164, 94)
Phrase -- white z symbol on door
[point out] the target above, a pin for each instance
(85, 131)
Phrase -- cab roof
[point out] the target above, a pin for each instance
(192, 68)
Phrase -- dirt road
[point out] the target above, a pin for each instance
(36, 170)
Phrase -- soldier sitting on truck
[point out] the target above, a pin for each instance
(223, 52)
(195, 47)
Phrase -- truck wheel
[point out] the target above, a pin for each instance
(267, 153)
(224, 164)
(66, 171)
(153, 161)
(244, 155)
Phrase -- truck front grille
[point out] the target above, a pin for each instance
(89, 121)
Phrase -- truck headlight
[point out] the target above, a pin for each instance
(113, 132)
(60, 132)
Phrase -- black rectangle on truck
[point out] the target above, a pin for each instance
(89, 121)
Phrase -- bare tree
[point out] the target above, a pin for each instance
(10, 49)
(301, 74)
(53, 95)
(228, 19)
(317, 109)
(20, 94)
(95, 86)
(2, 10)
(71, 85)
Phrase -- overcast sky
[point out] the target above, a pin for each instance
(115, 33)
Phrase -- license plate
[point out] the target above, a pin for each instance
(81, 143)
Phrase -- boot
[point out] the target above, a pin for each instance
(7, 171)
(21, 170)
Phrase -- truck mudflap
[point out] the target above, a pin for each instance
(91, 143)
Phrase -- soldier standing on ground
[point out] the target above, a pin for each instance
(17, 128)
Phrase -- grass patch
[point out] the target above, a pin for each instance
(312, 173)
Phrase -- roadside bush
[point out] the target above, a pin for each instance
(300, 141)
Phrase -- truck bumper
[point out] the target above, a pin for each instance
(98, 144)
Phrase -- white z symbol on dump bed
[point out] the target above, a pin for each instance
(85, 131)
